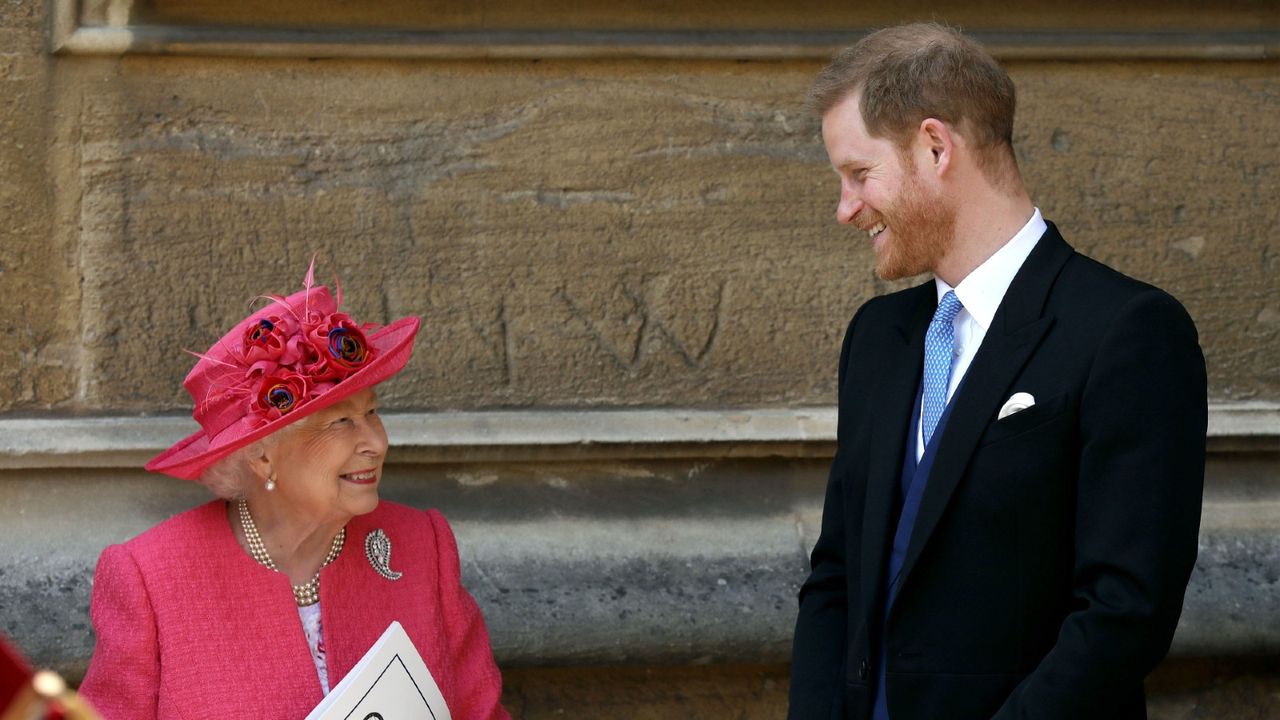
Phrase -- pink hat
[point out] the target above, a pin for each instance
(282, 363)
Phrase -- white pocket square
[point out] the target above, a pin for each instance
(1016, 403)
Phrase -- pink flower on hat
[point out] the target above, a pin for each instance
(279, 394)
(268, 338)
(337, 347)
(347, 346)
(291, 362)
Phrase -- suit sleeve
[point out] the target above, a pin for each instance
(123, 680)
(475, 681)
(1143, 415)
(819, 648)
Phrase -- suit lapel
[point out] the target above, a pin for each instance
(898, 374)
(1016, 331)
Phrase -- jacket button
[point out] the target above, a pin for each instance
(863, 670)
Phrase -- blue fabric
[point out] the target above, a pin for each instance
(912, 483)
(939, 344)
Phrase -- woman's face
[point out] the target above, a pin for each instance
(329, 464)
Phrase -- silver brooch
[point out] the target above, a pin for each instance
(377, 547)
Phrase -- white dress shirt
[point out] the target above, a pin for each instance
(981, 292)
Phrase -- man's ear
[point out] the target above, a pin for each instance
(937, 141)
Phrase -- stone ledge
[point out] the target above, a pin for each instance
(663, 590)
(599, 562)
(513, 435)
(1244, 426)
(72, 39)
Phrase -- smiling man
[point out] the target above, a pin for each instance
(1012, 513)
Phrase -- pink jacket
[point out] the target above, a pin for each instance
(189, 626)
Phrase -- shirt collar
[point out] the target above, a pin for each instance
(982, 290)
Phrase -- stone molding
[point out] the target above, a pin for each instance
(692, 45)
(512, 435)
(103, 27)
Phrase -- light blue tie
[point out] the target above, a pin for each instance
(938, 344)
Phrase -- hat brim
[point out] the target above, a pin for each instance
(191, 456)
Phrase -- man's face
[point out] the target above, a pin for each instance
(908, 221)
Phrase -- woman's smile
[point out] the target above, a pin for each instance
(363, 477)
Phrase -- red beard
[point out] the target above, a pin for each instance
(920, 227)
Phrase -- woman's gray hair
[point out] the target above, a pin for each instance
(231, 476)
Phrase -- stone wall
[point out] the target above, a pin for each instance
(588, 229)
(575, 234)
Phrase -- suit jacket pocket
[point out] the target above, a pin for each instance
(1026, 420)
(951, 696)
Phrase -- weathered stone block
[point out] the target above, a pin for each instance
(573, 235)
(612, 233)
(707, 692)
(1240, 688)
(38, 319)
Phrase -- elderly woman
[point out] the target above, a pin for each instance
(256, 605)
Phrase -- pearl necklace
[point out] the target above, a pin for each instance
(308, 593)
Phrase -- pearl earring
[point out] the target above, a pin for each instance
(271, 482)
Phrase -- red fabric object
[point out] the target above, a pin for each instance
(15, 673)
(293, 357)
(189, 626)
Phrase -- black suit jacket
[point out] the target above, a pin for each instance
(1045, 574)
